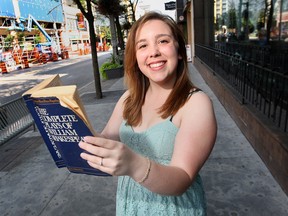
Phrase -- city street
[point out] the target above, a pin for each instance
(77, 71)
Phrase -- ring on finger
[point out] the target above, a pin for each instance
(101, 163)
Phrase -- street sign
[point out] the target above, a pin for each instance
(170, 5)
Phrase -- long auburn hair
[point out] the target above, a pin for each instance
(138, 83)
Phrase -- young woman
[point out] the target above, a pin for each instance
(162, 129)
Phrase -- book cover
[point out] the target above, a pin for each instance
(62, 118)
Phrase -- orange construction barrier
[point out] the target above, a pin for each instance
(3, 67)
(35, 56)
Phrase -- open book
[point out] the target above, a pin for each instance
(62, 122)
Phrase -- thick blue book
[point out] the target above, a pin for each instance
(62, 122)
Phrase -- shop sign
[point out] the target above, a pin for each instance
(170, 5)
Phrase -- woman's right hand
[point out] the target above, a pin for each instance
(112, 157)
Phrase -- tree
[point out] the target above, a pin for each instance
(269, 9)
(112, 9)
(132, 11)
(85, 7)
(121, 10)
(129, 17)
(232, 23)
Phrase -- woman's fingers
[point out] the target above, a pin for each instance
(106, 155)
(92, 158)
(99, 141)
(93, 149)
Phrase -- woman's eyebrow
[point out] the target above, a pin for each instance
(162, 35)
(139, 41)
(157, 36)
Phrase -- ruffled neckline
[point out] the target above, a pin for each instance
(153, 127)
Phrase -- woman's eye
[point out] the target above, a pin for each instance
(141, 46)
(163, 41)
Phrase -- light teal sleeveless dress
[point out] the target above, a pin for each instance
(157, 144)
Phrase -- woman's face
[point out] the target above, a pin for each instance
(157, 52)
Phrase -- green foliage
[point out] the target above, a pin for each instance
(109, 7)
(111, 64)
(8, 42)
(9, 39)
(37, 39)
(232, 18)
(21, 37)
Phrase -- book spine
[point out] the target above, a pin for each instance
(52, 147)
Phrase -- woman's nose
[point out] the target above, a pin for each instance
(154, 51)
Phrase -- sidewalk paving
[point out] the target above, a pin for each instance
(235, 179)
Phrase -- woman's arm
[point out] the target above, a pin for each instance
(193, 144)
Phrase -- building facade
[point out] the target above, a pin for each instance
(60, 19)
(241, 50)
(75, 27)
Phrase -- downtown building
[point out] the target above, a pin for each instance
(60, 20)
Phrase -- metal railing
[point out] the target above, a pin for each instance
(14, 119)
(259, 86)
(274, 56)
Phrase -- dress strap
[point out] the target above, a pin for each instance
(194, 90)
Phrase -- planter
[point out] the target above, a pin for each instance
(114, 73)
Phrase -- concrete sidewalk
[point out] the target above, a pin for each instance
(236, 180)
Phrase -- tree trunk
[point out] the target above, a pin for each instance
(97, 79)
(132, 10)
(119, 33)
(239, 23)
(113, 35)
(269, 21)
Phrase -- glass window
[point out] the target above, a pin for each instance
(258, 21)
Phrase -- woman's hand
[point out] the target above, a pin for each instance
(111, 156)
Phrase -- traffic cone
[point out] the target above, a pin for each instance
(3, 67)
(26, 63)
(54, 57)
(16, 58)
(62, 55)
(43, 58)
(66, 54)
(37, 57)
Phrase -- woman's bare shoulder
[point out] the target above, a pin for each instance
(198, 105)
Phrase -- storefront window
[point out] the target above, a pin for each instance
(258, 21)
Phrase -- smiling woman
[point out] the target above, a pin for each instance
(152, 141)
